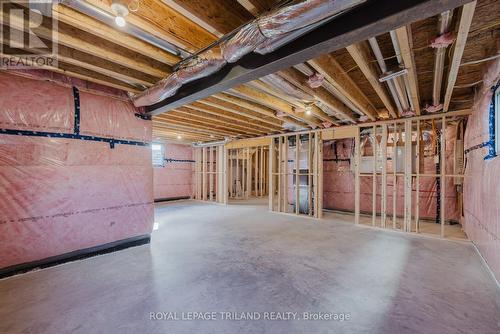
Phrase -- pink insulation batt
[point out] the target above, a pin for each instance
(338, 183)
(481, 185)
(176, 178)
(60, 195)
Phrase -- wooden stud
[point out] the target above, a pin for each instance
(211, 175)
(417, 180)
(248, 174)
(204, 174)
(443, 173)
(271, 175)
(280, 170)
(357, 158)
(394, 175)
(225, 175)
(261, 171)
(297, 174)
(374, 176)
(383, 204)
(320, 176)
(408, 177)
(310, 174)
(285, 174)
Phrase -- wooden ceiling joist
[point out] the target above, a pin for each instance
(221, 16)
(171, 134)
(272, 102)
(113, 70)
(182, 127)
(160, 20)
(406, 48)
(298, 79)
(81, 41)
(179, 122)
(236, 103)
(327, 66)
(361, 55)
(101, 30)
(211, 109)
(463, 32)
(189, 115)
(241, 126)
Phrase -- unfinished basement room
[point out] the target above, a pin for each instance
(250, 166)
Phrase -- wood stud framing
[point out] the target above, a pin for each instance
(248, 172)
(306, 147)
(210, 173)
(406, 137)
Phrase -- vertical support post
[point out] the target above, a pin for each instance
(211, 173)
(285, 178)
(218, 167)
(197, 173)
(357, 155)
(256, 171)
(417, 180)
(408, 175)
(297, 175)
(230, 173)
(280, 171)
(320, 175)
(383, 204)
(225, 175)
(271, 176)
(261, 171)
(249, 174)
(374, 176)
(204, 174)
(238, 179)
(395, 176)
(309, 174)
(443, 172)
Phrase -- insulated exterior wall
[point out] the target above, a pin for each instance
(481, 184)
(59, 195)
(338, 178)
(176, 178)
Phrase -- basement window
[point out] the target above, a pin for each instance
(158, 151)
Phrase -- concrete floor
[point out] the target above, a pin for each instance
(240, 258)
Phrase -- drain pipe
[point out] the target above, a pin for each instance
(381, 63)
(403, 85)
(444, 25)
(108, 19)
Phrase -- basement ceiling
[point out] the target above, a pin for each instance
(349, 93)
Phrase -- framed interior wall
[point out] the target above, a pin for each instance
(210, 173)
(295, 174)
(409, 175)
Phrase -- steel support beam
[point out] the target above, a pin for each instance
(367, 20)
